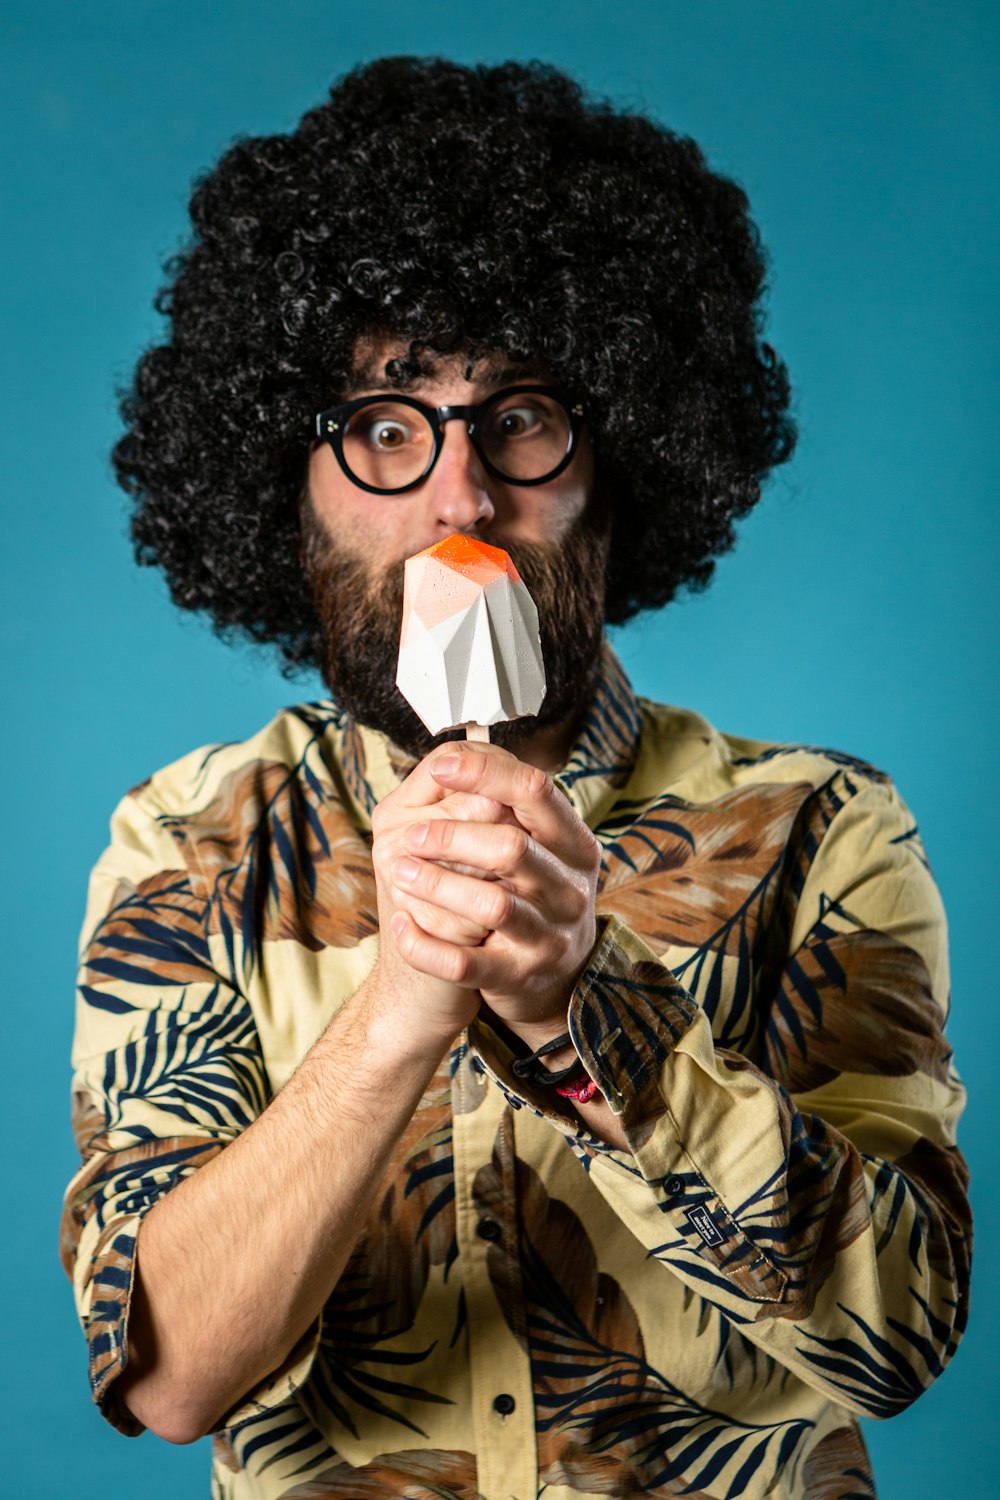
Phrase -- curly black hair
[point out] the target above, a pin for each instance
(482, 209)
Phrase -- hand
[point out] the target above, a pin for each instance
(526, 878)
(442, 996)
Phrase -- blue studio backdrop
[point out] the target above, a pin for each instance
(859, 609)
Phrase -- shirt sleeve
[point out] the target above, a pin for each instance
(815, 1193)
(167, 1071)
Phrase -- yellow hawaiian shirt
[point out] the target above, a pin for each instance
(530, 1311)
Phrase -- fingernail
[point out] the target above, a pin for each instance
(418, 834)
(445, 765)
(397, 923)
(405, 869)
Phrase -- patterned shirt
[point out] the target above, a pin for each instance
(528, 1309)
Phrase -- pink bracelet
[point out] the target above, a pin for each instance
(581, 1088)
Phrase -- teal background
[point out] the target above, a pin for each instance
(859, 609)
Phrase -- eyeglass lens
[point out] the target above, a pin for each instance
(389, 444)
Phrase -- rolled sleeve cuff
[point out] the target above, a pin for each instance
(106, 1321)
(106, 1327)
(626, 1014)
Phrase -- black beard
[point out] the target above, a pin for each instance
(360, 621)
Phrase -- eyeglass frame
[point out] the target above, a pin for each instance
(330, 425)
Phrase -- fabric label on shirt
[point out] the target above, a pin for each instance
(700, 1219)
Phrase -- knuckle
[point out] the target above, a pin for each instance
(465, 931)
(573, 907)
(483, 809)
(519, 840)
(536, 784)
(460, 964)
(498, 905)
(515, 844)
(443, 834)
(474, 764)
(406, 940)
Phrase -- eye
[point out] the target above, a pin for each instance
(387, 434)
(516, 421)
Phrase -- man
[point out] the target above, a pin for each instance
(568, 1114)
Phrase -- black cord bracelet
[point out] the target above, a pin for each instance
(533, 1071)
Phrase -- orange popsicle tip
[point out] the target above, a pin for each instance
(469, 556)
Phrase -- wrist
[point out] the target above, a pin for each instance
(556, 1065)
(410, 1019)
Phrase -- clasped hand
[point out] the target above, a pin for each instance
(487, 879)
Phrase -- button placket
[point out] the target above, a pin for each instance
(499, 1368)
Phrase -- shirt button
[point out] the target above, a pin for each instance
(488, 1229)
(674, 1186)
(504, 1404)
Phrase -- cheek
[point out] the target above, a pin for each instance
(572, 492)
(352, 519)
(548, 512)
(325, 481)
(564, 508)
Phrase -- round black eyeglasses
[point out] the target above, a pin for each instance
(388, 444)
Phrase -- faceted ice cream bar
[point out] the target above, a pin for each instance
(469, 652)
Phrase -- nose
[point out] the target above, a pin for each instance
(458, 487)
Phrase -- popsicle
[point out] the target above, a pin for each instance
(469, 652)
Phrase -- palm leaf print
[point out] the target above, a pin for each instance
(772, 753)
(152, 937)
(681, 874)
(941, 1236)
(854, 1002)
(873, 1372)
(193, 1061)
(283, 860)
(608, 737)
(427, 1474)
(838, 1468)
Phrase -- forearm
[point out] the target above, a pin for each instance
(236, 1262)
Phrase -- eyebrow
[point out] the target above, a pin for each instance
(372, 377)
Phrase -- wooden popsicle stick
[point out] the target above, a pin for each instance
(479, 732)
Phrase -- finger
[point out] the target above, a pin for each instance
(471, 968)
(505, 852)
(438, 921)
(486, 905)
(408, 802)
(533, 797)
(420, 788)
(430, 955)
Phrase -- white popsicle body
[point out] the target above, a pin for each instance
(469, 646)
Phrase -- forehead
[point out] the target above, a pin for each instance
(384, 363)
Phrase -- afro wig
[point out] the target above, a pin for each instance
(482, 209)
